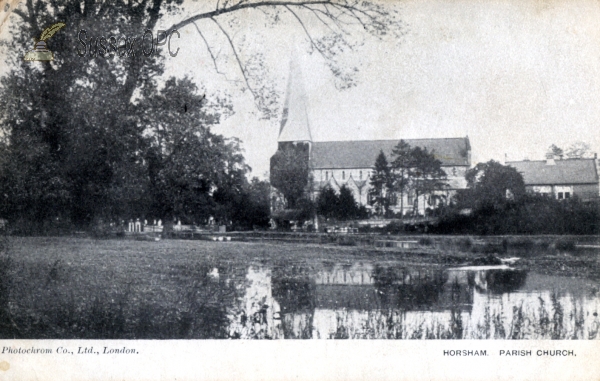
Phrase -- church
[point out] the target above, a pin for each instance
(351, 163)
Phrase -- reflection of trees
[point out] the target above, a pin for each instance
(294, 291)
(408, 289)
(293, 295)
(497, 281)
(458, 295)
(201, 311)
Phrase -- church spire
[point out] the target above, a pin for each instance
(294, 121)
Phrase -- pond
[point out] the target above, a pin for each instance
(175, 289)
(366, 300)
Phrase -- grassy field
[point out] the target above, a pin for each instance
(119, 288)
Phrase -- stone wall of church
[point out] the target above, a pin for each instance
(358, 174)
(357, 180)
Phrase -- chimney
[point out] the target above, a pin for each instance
(550, 159)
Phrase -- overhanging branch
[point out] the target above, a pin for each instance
(353, 11)
(237, 58)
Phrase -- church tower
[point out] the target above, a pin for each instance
(295, 126)
(290, 166)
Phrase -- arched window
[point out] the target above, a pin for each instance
(343, 175)
(326, 175)
(360, 174)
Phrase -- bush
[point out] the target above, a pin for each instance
(564, 245)
(489, 248)
(465, 244)
(346, 241)
(394, 227)
(522, 243)
(530, 214)
(426, 241)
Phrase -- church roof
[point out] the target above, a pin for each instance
(569, 171)
(362, 154)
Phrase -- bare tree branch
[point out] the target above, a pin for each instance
(307, 34)
(212, 56)
(338, 17)
(240, 6)
(241, 66)
(318, 17)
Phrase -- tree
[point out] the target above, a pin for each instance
(555, 151)
(328, 25)
(83, 138)
(289, 172)
(492, 185)
(426, 173)
(348, 208)
(335, 20)
(328, 203)
(381, 185)
(578, 150)
(401, 164)
(342, 206)
(247, 207)
(259, 211)
(191, 170)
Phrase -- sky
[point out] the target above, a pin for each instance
(515, 76)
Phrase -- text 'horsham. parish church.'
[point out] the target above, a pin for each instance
(351, 163)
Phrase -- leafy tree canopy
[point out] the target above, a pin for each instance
(555, 150)
(381, 185)
(342, 207)
(289, 172)
(492, 184)
(579, 150)
(108, 137)
(415, 169)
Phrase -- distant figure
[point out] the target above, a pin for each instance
(138, 226)
(211, 220)
(159, 222)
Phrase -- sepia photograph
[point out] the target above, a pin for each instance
(190, 172)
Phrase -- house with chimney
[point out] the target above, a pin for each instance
(351, 163)
(560, 178)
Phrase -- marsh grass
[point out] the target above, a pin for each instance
(68, 298)
(540, 322)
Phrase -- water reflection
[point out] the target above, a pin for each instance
(380, 301)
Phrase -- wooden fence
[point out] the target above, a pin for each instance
(372, 240)
(462, 243)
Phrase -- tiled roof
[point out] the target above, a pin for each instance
(362, 154)
(570, 171)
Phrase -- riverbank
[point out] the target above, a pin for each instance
(551, 255)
